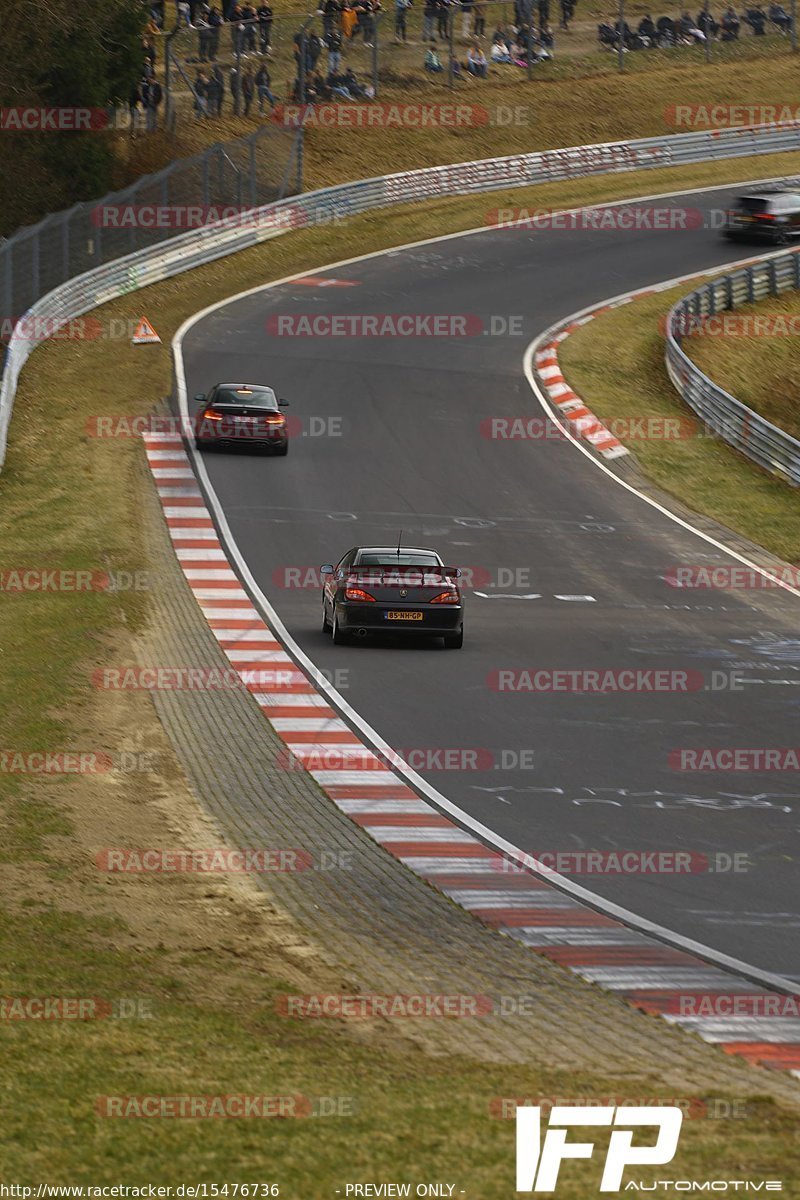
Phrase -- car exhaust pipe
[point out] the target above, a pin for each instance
(361, 633)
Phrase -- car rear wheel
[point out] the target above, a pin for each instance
(454, 641)
(339, 637)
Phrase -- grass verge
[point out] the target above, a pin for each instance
(71, 500)
(758, 363)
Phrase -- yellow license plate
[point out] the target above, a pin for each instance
(403, 616)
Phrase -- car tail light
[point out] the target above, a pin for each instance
(354, 593)
(278, 419)
(766, 216)
(446, 598)
(210, 415)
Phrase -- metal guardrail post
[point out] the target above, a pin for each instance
(751, 284)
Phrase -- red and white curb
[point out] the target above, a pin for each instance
(581, 420)
(649, 974)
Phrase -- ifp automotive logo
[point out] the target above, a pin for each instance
(539, 1162)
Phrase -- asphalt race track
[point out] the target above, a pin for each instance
(389, 435)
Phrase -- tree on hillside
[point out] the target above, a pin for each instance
(63, 54)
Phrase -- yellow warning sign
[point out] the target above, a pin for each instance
(144, 333)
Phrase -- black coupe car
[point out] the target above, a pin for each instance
(241, 414)
(383, 589)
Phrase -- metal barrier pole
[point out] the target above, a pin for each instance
(168, 109)
(376, 20)
(620, 29)
(451, 27)
(794, 26)
(706, 32)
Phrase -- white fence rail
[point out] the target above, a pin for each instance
(203, 245)
(772, 448)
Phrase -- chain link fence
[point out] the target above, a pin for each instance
(252, 171)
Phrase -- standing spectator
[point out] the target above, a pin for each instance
(249, 18)
(349, 19)
(134, 100)
(466, 19)
(401, 8)
(443, 19)
(203, 39)
(544, 12)
(235, 85)
(331, 11)
(265, 18)
(567, 13)
(263, 82)
(368, 19)
(334, 44)
(152, 96)
(428, 18)
(183, 14)
(216, 91)
(248, 88)
(201, 94)
(479, 13)
(215, 24)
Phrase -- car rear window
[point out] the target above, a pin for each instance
(753, 204)
(249, 397)
(404, 560)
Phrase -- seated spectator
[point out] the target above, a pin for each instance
(779, 16)
(322, 90)
(455, 68)
(707, 24)
(499, 53)
(476, 62)
(548, 39)
(667, 33)
(647, 29)
(730, 25)
(606, 34)
(756, 18)
(689, 31)
(353, 86)
(432, 61)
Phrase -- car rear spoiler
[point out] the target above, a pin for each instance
(402, 569)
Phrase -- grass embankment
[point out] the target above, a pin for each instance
(757, 361)
(616, 363)
(207, 960)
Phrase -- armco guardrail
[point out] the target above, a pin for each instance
(203, 245)
(772, 448)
